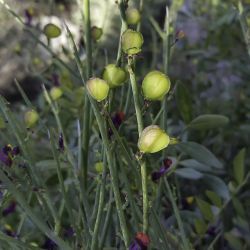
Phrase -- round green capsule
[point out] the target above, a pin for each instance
(155, 85)
(96, 33)
(153, 139)
(98, 88)
(133, 16)
(30, 118)
(114, 75)
(52, 31)
(132, 42)
(56, 93)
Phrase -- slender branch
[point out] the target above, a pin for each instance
(140, 128)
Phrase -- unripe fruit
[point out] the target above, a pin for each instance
(99, 167)
(98, 88)
(153, 139)
(96, 33)
(51, 30)
(55, 93)
(132, 42)
(114, 75)
(155, 85)
(133, 16)
(30, 118)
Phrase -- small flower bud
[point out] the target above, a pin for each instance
(132, 42)
(96, 33)
(30, 118)
(180, 34)
(51, 30)
(155, 85)
(153, 139)
(133, 16)
(55, 93)
(99, 167)
(114, 75)
(98, 88)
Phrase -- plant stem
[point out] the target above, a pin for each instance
(124, 26)
(87, 110)
(94, 242)
(37, 221)
(140, 129)
(101, 124)
(177, 216)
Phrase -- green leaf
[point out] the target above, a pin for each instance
(239, 208)
(200, 226)
(2, 122)
(217, 185)
(200, 153)
(238, 166)
(234, 242)
(203, 122)
(184, 102)
(191, 163)
(188, 173)
(214, 198)
(205, 208)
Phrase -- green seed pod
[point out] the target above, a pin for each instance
(132, 42)
(133, 16)
(99, 167)
(114, 75)
(51, 30)
(155, 85)
(153, 139)
(30, 118)
(96, 33)
(98, 88)
(56, 93)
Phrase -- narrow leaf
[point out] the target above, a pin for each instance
(200, 153)
(238, 166)
(203, 122)
(184, 102)
(188, 173)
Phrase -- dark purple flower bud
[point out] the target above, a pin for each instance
(7, 149)
(5, 159)
(49, 245)
(118, 118)
(10, 232)
(56, 80)
(167, 162)
(69, 232)
(28, 13)
(15, 151)
(61, 142)
(155, 176)
(140, 242)
(10, 209)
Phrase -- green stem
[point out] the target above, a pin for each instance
(124, 26)
(87, 109)
(140, 129)
(101, 124)
(37, 221)
(94, 242)
(135, 96)
(177, 216)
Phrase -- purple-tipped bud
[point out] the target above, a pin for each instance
(61, 142)
(10, 209)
